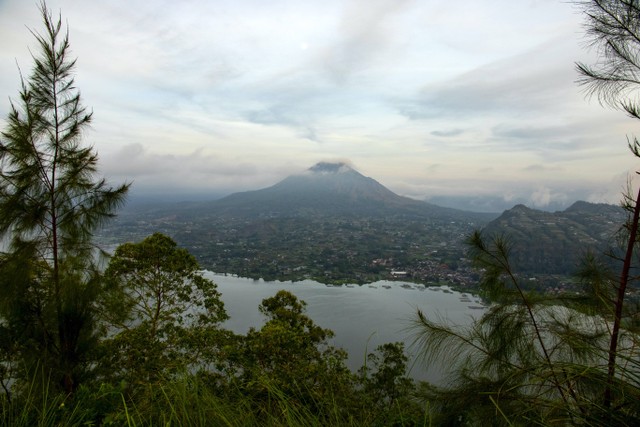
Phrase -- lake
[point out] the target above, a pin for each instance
(362, 317)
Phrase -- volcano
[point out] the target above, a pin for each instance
(328, 189)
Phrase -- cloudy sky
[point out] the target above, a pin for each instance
(469, 102)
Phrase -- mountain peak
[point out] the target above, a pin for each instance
(520, 208)
(329, 188)
(330, 167)
(582, 206)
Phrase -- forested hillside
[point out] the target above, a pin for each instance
(135, 337)
(554, 243)
(330, 223)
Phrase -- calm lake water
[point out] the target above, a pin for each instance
(362, 317)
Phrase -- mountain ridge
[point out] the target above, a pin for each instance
(554, 242)
(330, 189)
(333, 224)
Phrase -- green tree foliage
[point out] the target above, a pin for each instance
(288, 366)
(613, 28)
(290, 354)
(140, 343)
(529, 359)
(532, 359)
(385, 374)
(386, 393)
(50, 205)
(163, 315)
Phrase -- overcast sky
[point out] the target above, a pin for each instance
(467, 100)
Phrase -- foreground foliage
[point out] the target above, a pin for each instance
(163, 317)
(533, 359)
(142, 343)
(555, 361)
(50, 205)
(281, 374)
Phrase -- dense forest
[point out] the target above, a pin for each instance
(135, 338)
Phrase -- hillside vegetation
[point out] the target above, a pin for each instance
(135, 337)
(555, 243)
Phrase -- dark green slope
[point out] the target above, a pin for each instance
(330, 223)
(329, 190)
(553, 243)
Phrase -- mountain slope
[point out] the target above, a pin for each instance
(553, 243)
(330, 223)
(334, 224)
(331, 189)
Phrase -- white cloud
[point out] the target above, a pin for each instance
(541, 197)
(430, 98)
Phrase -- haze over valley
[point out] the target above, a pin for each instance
(345, 140)
(335, 225)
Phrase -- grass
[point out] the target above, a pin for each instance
(184, 402)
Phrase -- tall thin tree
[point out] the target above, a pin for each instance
(613, 28)
(50, 205)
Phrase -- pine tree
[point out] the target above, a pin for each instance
(613, 28)
(533, 359)
(50, 205)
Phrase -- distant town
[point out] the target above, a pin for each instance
(338, 227)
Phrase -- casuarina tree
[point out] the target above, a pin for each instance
(613, 28)
(51, 203)
(544, 359)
